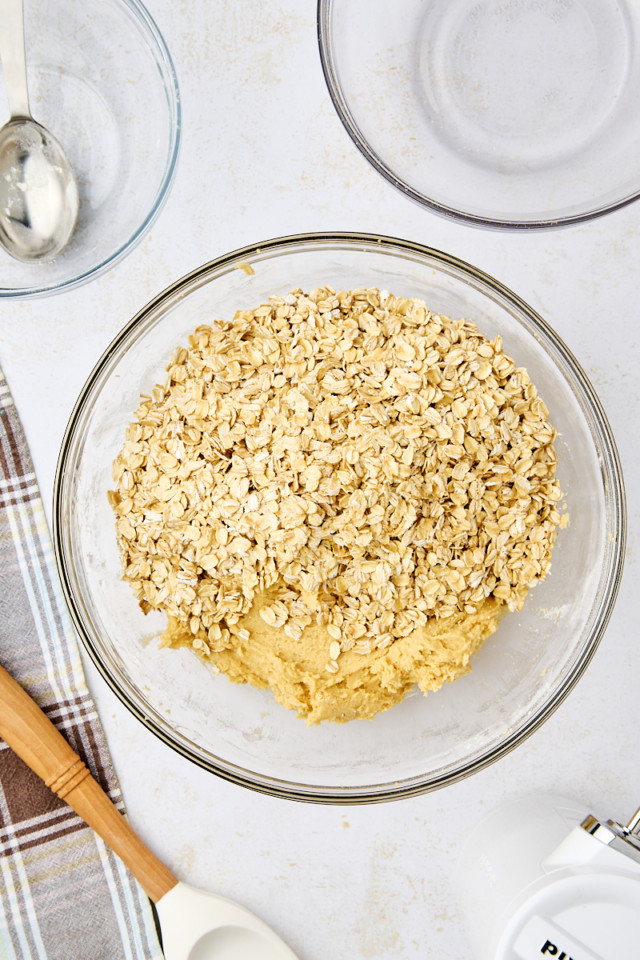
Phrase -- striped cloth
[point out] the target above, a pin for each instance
(63, 895)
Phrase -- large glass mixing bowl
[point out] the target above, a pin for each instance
(518, 677)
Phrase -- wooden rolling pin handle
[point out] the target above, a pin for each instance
(28, 732)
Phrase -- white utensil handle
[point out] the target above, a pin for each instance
(13, 57)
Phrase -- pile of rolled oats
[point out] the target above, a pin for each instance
(378, 463)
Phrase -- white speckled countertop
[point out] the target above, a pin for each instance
(263, 155)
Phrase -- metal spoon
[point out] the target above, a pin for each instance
(38, 189)
(195, 925)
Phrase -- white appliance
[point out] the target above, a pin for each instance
(540, 877)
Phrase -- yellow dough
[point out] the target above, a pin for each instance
(364, 685)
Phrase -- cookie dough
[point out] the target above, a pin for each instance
(364, 685)
(336, 495)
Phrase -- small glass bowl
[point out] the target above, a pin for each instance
(519, 676)
(102, 81)
(501, 113)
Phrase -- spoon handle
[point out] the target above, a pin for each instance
(13, 57)
(34, 738)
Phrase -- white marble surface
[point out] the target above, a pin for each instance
(264, 154)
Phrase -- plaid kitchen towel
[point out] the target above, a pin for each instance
(63, 895)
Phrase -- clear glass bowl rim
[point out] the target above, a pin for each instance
(172, 90)
(327, 60)
(615, 509)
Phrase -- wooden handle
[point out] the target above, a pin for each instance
(34, 738)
